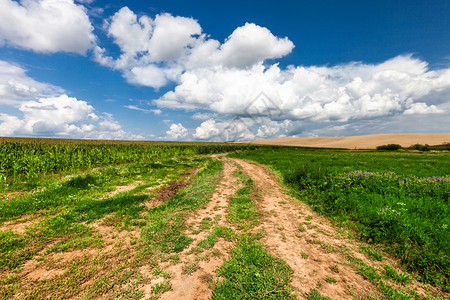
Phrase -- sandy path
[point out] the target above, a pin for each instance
(281, 222)
(197, 284)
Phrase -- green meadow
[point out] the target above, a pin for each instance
(64, 192)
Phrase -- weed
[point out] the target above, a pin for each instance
(334, 268)
(208, 242)
(399, 201)
(393, 274)
(190, 268)
(371, 252)
(242, 209)
(161, 288)
(224, 232)
(330, 279)
(314, 294)
(252, 273)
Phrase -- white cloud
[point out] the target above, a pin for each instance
(62, 116)
(46, 26)
(43, 110)
(151, 75)
(244, 129)
(202, 116)
(246, 46)
(9, 124)
(176, 132)
(153, 111)
(172, 37)
(206, 130)
(156, 51)
(423, 108)
(16, 86)
(326, 94)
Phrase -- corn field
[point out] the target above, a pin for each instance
(30, 159)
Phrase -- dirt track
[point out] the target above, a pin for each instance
(307, 242)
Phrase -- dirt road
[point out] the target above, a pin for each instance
(308, 243)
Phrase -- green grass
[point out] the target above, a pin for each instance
(242, 209)
(65, 210)
(252, 273)
(393, 274)
(314, 294)
(399, 200)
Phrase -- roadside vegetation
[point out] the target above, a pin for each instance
(399, 200)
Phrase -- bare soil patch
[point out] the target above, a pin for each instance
(362, 141)
(166, 193)
(21, 224)
(197, 285)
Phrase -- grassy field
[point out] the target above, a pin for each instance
(68, 214)
(100, 219)
(397, 199)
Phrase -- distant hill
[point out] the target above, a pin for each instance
(362, 141)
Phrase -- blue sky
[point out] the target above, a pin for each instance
(223, 70)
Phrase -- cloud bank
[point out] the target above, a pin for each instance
(226, 78)
(236, 84)
(41, 110)
(340, 93)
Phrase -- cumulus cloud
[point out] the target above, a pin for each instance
(423, 108)
(44, 110)
(206, 130)
(340, 93)
(62, 116)
(46, 26)
(177, 132)
(15, 85)
(156, 51)
(240, 129)
(246, 46)
(9, 124)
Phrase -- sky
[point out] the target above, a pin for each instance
(223, 70)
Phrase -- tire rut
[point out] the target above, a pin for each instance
(304, 240)
(197, 284)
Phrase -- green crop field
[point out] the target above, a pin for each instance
(62, 210)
